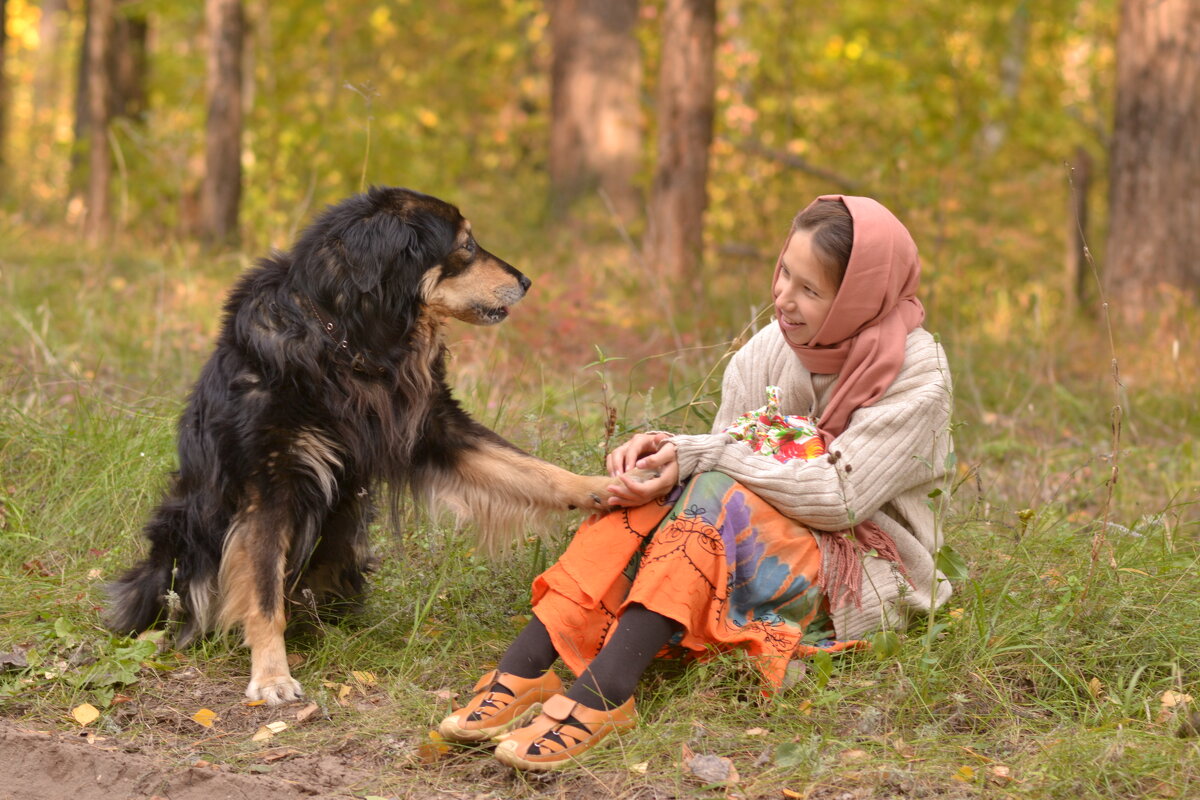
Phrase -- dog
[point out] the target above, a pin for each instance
(327, 385)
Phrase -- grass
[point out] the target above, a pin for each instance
(1045, 677)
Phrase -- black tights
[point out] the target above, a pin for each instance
(612, 676)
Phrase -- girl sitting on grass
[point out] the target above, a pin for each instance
(773, 534)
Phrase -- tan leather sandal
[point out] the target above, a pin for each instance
(502, 701)
(561, 734)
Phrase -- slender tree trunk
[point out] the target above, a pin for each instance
(3, 93)
(1154, 203)
(130, 66)
(686, 87)
(596, 126)
(221, 190)
(99, 96)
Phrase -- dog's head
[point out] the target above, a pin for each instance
(395, 253)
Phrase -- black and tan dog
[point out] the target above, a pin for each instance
(328, 381)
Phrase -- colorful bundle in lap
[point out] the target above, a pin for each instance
(783, 437)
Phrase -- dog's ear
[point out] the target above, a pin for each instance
(374, 244)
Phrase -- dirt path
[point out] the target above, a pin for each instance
(38, 765)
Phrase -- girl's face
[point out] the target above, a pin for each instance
(802, 291)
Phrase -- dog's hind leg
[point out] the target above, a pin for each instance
(334, 580)
(252, 577)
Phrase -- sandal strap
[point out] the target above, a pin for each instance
(486, 681)
(575, 723)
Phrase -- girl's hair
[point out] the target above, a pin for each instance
(833, 235)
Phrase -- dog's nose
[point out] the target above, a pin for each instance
(525, 283)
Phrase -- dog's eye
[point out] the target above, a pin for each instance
(469, 246)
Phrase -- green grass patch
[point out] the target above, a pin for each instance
(1044, 677)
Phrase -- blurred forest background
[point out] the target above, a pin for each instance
(1009, 135)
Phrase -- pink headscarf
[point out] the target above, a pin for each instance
(863, 338)
(863, 341)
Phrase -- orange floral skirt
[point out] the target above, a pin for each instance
(714, 557)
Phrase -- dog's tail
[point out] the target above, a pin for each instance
(162, 589)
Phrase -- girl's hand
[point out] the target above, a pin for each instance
(625, 457)
(630, 492)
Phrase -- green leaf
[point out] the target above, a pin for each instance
(789, 754)
(885, 644)
(823, 667)
(951, 564)
(65, 630)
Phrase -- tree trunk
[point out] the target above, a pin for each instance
(1154, 202)
(3, 93)
(679, 195)
(99, 41)
(129, 66)
(221, 190)
(595, 127)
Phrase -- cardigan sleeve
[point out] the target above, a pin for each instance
(899, 443)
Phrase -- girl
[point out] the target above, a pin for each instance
(750, 537)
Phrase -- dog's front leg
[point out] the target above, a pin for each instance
(494, 479)
(252, 592)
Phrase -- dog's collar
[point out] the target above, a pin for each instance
(358, 362)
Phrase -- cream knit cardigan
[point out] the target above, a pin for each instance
(892, 456)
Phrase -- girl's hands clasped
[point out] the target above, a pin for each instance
(645, 451)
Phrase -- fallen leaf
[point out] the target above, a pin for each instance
(1000, 774)
(640, 768)
(253, 703)
(965, 774)
(365, 678)
(278, 726)
(304, 714)
(35, 567)
(1096, 688)
(971, 752)
(262, 734)
(85, 714)
(344, 693)
(446, 695)
(1172, 699)
(788, 793)
(711, 770)
(433, 750)
(755, 732)
(848, 756)
(205, 717)
(14, 658)
(279, 754)
(295, 659)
